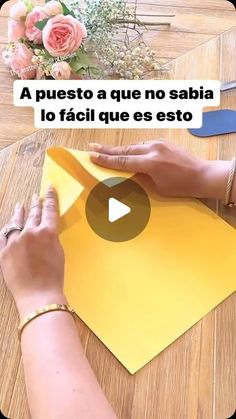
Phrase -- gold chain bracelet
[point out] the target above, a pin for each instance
(229, 187)
(43, 310)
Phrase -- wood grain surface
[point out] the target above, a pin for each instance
(194, 378)
(195, 23)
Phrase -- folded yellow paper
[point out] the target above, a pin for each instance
(139, 296)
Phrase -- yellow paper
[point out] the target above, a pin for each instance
(139, 296)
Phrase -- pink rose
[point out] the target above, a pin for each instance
(63, 35)
(34, 34)
(61, 71)
(53, 8)
(18, 10)
(21, 62)
(16, 30)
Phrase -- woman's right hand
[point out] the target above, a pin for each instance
(32, 261)
(170, 170)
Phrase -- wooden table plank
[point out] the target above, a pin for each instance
(195, 376)
(163, 8)
(226, 313)
(225, 356)
(189, 21)
(206, 4)
(196, 22)
(9, 361)
(178, 42)
(3, 30)
(200, 363)
(172, 369)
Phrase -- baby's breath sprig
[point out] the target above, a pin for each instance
(110, 24)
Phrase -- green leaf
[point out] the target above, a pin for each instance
(81, 72)
(82, 56)
(29, 5)
(41, 24)
(80, 62)
(95, 71)
(34, 46)
(76, 66)
(67, 11)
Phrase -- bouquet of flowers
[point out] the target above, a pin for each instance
(89, 39)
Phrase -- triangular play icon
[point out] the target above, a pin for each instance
(117, 210)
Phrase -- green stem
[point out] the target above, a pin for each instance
(136, 22)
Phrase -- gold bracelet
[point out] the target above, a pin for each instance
(43, 310)
(229, 187)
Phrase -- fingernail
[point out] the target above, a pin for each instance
(95, 146)
(50, 188)
(94, 155)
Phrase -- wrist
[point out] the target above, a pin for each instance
(212, 179)
(28, 304)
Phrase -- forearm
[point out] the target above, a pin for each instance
(59, 380)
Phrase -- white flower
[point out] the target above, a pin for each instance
(137, 51)
(6, 55)
(18, 10)
(53, 8)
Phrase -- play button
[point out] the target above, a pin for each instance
(118, 209)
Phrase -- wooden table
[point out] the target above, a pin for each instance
(195, 23)
(194, 378)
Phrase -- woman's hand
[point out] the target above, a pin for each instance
(32, 261)
(170, 170)
(59, 380)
